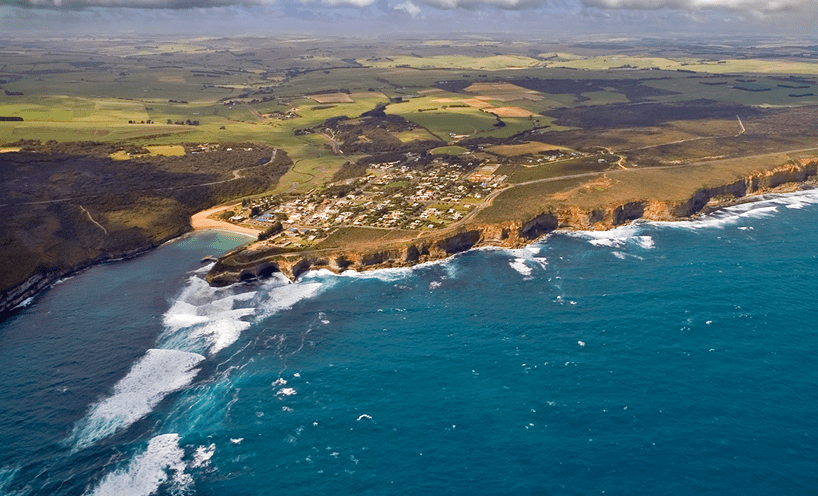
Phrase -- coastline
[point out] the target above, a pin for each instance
(200, 221)
(251, 263)
(243, 264)
(16, 297)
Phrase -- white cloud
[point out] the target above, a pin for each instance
(135, 4)
(476, 4)
(802, 10)
(408, 7)
(342, 3)
(736, 5)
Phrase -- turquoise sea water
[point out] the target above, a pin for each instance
(652, 359)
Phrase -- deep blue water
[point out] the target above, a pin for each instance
(654, 359)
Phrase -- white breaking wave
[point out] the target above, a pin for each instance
(210, 314)
(28, 301)
(201, 320)
(618, 238)
(148, 470)
(645, 242)
(519, 265)
(223, 332)
(153, 377)
(525, 257)
(277, 298)
(527, 252)
(202, 456)
(204, 269)
(765, 206)
(614, 238)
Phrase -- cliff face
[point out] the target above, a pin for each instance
(42, 279)
(244, 265)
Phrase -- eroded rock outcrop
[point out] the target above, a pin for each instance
(247, 264)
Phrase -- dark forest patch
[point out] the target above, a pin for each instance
(633, 89)
(454, 86)
(623, 115)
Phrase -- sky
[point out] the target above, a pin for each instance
(541, 19)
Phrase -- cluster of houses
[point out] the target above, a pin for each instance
(390, 196)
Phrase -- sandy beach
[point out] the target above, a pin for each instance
(200, 222)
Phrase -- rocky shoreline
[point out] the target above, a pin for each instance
(246, 264)
(11, 299)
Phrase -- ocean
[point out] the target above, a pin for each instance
(657, 358)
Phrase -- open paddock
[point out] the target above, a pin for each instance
(13, 131)
(530, 148)
(167, 150)
(414, 135)
(172, 79)
(448, 150)
(522, 173)
(471, 102)
(508, 111)
(490, 63)
(352, 237)
(498, 88)
(502, 92)
(332, 98)
(367, 94)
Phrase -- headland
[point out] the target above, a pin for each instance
(588, 207)
(353, 156)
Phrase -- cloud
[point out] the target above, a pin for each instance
(408, 7)
(135, 4)
(342, 3)
(735, 5)
(476, 4)
(412, 8)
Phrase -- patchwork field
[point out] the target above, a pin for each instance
(571, 99)
(372, 142)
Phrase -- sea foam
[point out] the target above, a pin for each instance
(525, 258)
(519, 265)
(761, 207)
(208, 316)
(201, 320)
(148, 470)
(275, 298)
(154, 376)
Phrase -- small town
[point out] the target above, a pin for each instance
(390, 196)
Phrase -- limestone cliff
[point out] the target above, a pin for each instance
(248, 264)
